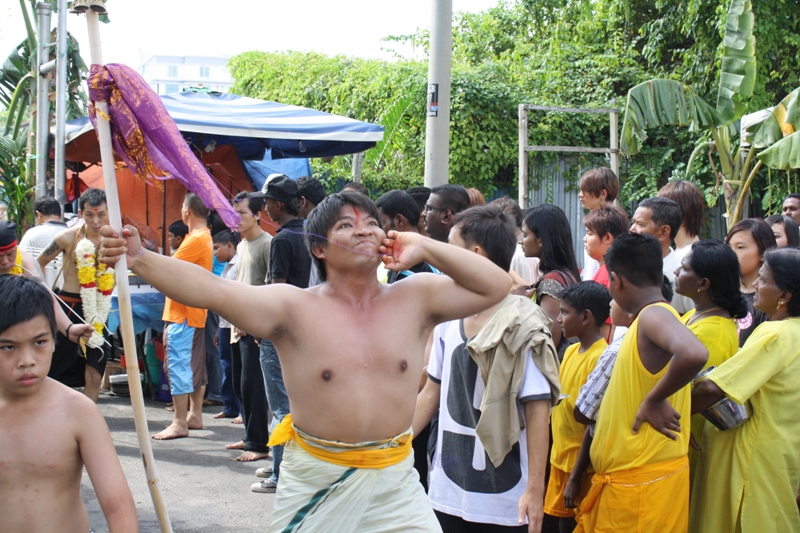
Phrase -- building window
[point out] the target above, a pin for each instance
(203, 72)
(171, 88)
(172, 71)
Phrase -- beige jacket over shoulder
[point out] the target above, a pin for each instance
(516, 326)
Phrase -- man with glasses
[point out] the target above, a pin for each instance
(441, 208)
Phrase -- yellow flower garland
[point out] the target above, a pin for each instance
(97, 283)
(16, 270)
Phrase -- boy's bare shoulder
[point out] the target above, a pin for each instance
(75, 404)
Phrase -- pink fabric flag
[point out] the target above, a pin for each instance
(146, 137)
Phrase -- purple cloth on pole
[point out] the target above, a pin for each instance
(146, 137)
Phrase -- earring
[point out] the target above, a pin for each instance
(780, 303)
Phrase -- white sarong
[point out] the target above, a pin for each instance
(315, 495)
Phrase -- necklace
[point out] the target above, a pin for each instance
(697, 316)
(97, 283)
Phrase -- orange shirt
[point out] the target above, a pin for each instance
(196, 248)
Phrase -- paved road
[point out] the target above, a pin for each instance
(204, 489)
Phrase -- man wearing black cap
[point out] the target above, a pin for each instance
(14, 261)
(289, 262)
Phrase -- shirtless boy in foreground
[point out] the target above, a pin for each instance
(48, 432)
(351, 350)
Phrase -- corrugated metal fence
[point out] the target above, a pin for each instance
(557, 183)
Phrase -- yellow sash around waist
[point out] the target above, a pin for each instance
(373, 455)
(635, 477)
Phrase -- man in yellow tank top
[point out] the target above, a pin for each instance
(641, 441)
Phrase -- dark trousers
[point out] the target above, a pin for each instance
(230, 401)
(248, 384)
(213, 364)
(456, 524)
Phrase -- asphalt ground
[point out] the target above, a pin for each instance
(203, 487)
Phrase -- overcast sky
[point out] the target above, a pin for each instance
(140, 28)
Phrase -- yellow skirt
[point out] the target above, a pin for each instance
(554, 498)
(649, 498)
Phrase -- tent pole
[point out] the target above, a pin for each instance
(123, 291)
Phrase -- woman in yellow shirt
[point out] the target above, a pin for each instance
(747, 477)
(709, 276)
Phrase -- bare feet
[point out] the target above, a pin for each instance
(246, 457)
(235, 446)
(170, 407)
(222, 414)
(237, 420)
(194, 422)
(174, 431)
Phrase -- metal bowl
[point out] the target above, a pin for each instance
(725, 413)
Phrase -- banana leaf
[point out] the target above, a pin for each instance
(14, 68)
(784, 154)
(784, 120)
(392, 120)
(738, 71)
(662, 103)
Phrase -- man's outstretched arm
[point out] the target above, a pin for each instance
(195, 286)
(472, 284)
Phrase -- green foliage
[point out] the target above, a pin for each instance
(14, 188)
(568, 53)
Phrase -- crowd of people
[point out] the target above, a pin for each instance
(428, 361)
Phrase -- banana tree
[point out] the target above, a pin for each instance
(671, 103)
(14, 187)
(18, 75)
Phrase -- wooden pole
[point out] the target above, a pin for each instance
(123, 291)
(523, 157)
(614, 145)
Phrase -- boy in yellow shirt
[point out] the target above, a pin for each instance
(641, 439)
(584, 309)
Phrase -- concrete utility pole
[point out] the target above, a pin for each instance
(437, 131)
(43, 11)
(61, 101)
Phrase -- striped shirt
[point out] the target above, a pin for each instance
(592, 392)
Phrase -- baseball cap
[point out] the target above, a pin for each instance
(279, 187)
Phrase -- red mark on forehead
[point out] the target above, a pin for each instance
(357, 215)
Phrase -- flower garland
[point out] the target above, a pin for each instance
(97, 283)
(16, 270)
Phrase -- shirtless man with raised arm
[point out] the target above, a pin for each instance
(69, 367)
(351, 380)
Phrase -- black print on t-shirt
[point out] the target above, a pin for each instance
(457, 449)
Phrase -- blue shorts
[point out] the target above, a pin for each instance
(178, 346)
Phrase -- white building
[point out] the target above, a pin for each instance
(171, 74)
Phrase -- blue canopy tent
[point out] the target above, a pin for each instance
(251, 127)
